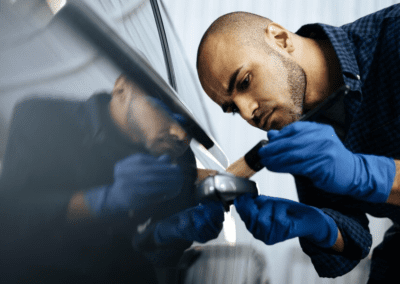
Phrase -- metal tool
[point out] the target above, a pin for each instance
(225, 188)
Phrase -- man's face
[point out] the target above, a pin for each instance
(146, 121)
(155, 128)
(266, 89)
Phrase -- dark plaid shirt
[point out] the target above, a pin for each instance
(369, 54)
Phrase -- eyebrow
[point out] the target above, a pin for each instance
(232, 80)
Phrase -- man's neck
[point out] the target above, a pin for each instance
(322, 68)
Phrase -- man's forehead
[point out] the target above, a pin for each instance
(213, 88)
(224, 60)
(220, 59)
(223, 44)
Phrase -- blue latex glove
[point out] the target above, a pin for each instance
(314, 150)
(201, 224)
(164, 242)
(140, 180)
(273, 220)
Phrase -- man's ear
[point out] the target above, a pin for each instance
(122, 91)
(119, 107)
(278, 36)
(119, 87)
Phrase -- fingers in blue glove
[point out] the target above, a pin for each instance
(247, 209)
(271, 134)
(306, 148)
(296, 144)
(274, 220)
(201, 223)
(140, 180)
(314, 150)
(208, 219)
(164, 159)
(261, 224)
(147, 174)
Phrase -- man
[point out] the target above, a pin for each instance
(81, 178)
(344, 163)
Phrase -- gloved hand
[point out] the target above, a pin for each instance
(164, 242)
(314, 150)
(140, 180)
(201, 224)
(273, 220)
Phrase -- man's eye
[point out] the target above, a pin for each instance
(245, 83)
(234, 109)
(230, 108)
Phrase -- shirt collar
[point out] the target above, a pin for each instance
(343, 48)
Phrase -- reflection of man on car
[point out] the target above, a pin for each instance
(147, 120)
(74, 189)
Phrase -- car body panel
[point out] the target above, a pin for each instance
(49, 58)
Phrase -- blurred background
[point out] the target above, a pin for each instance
(62, 65)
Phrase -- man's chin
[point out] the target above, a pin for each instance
(280, 124)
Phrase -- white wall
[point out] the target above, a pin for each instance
(191, 19)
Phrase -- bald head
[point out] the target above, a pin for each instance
(246, 65)
(245, 28)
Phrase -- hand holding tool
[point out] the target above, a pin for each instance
(225, 188)
(313, 150)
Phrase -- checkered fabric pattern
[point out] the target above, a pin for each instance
(369, 53)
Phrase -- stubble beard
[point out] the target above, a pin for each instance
(297, 85)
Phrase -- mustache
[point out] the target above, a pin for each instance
(261, 112)
(286, 116)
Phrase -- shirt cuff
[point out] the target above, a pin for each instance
(357, 244)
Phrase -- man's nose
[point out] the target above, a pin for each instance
(247, 106)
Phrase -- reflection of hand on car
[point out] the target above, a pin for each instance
(140, 181)
(200, 223)
(163, 242)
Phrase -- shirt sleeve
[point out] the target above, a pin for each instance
(352, 223)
